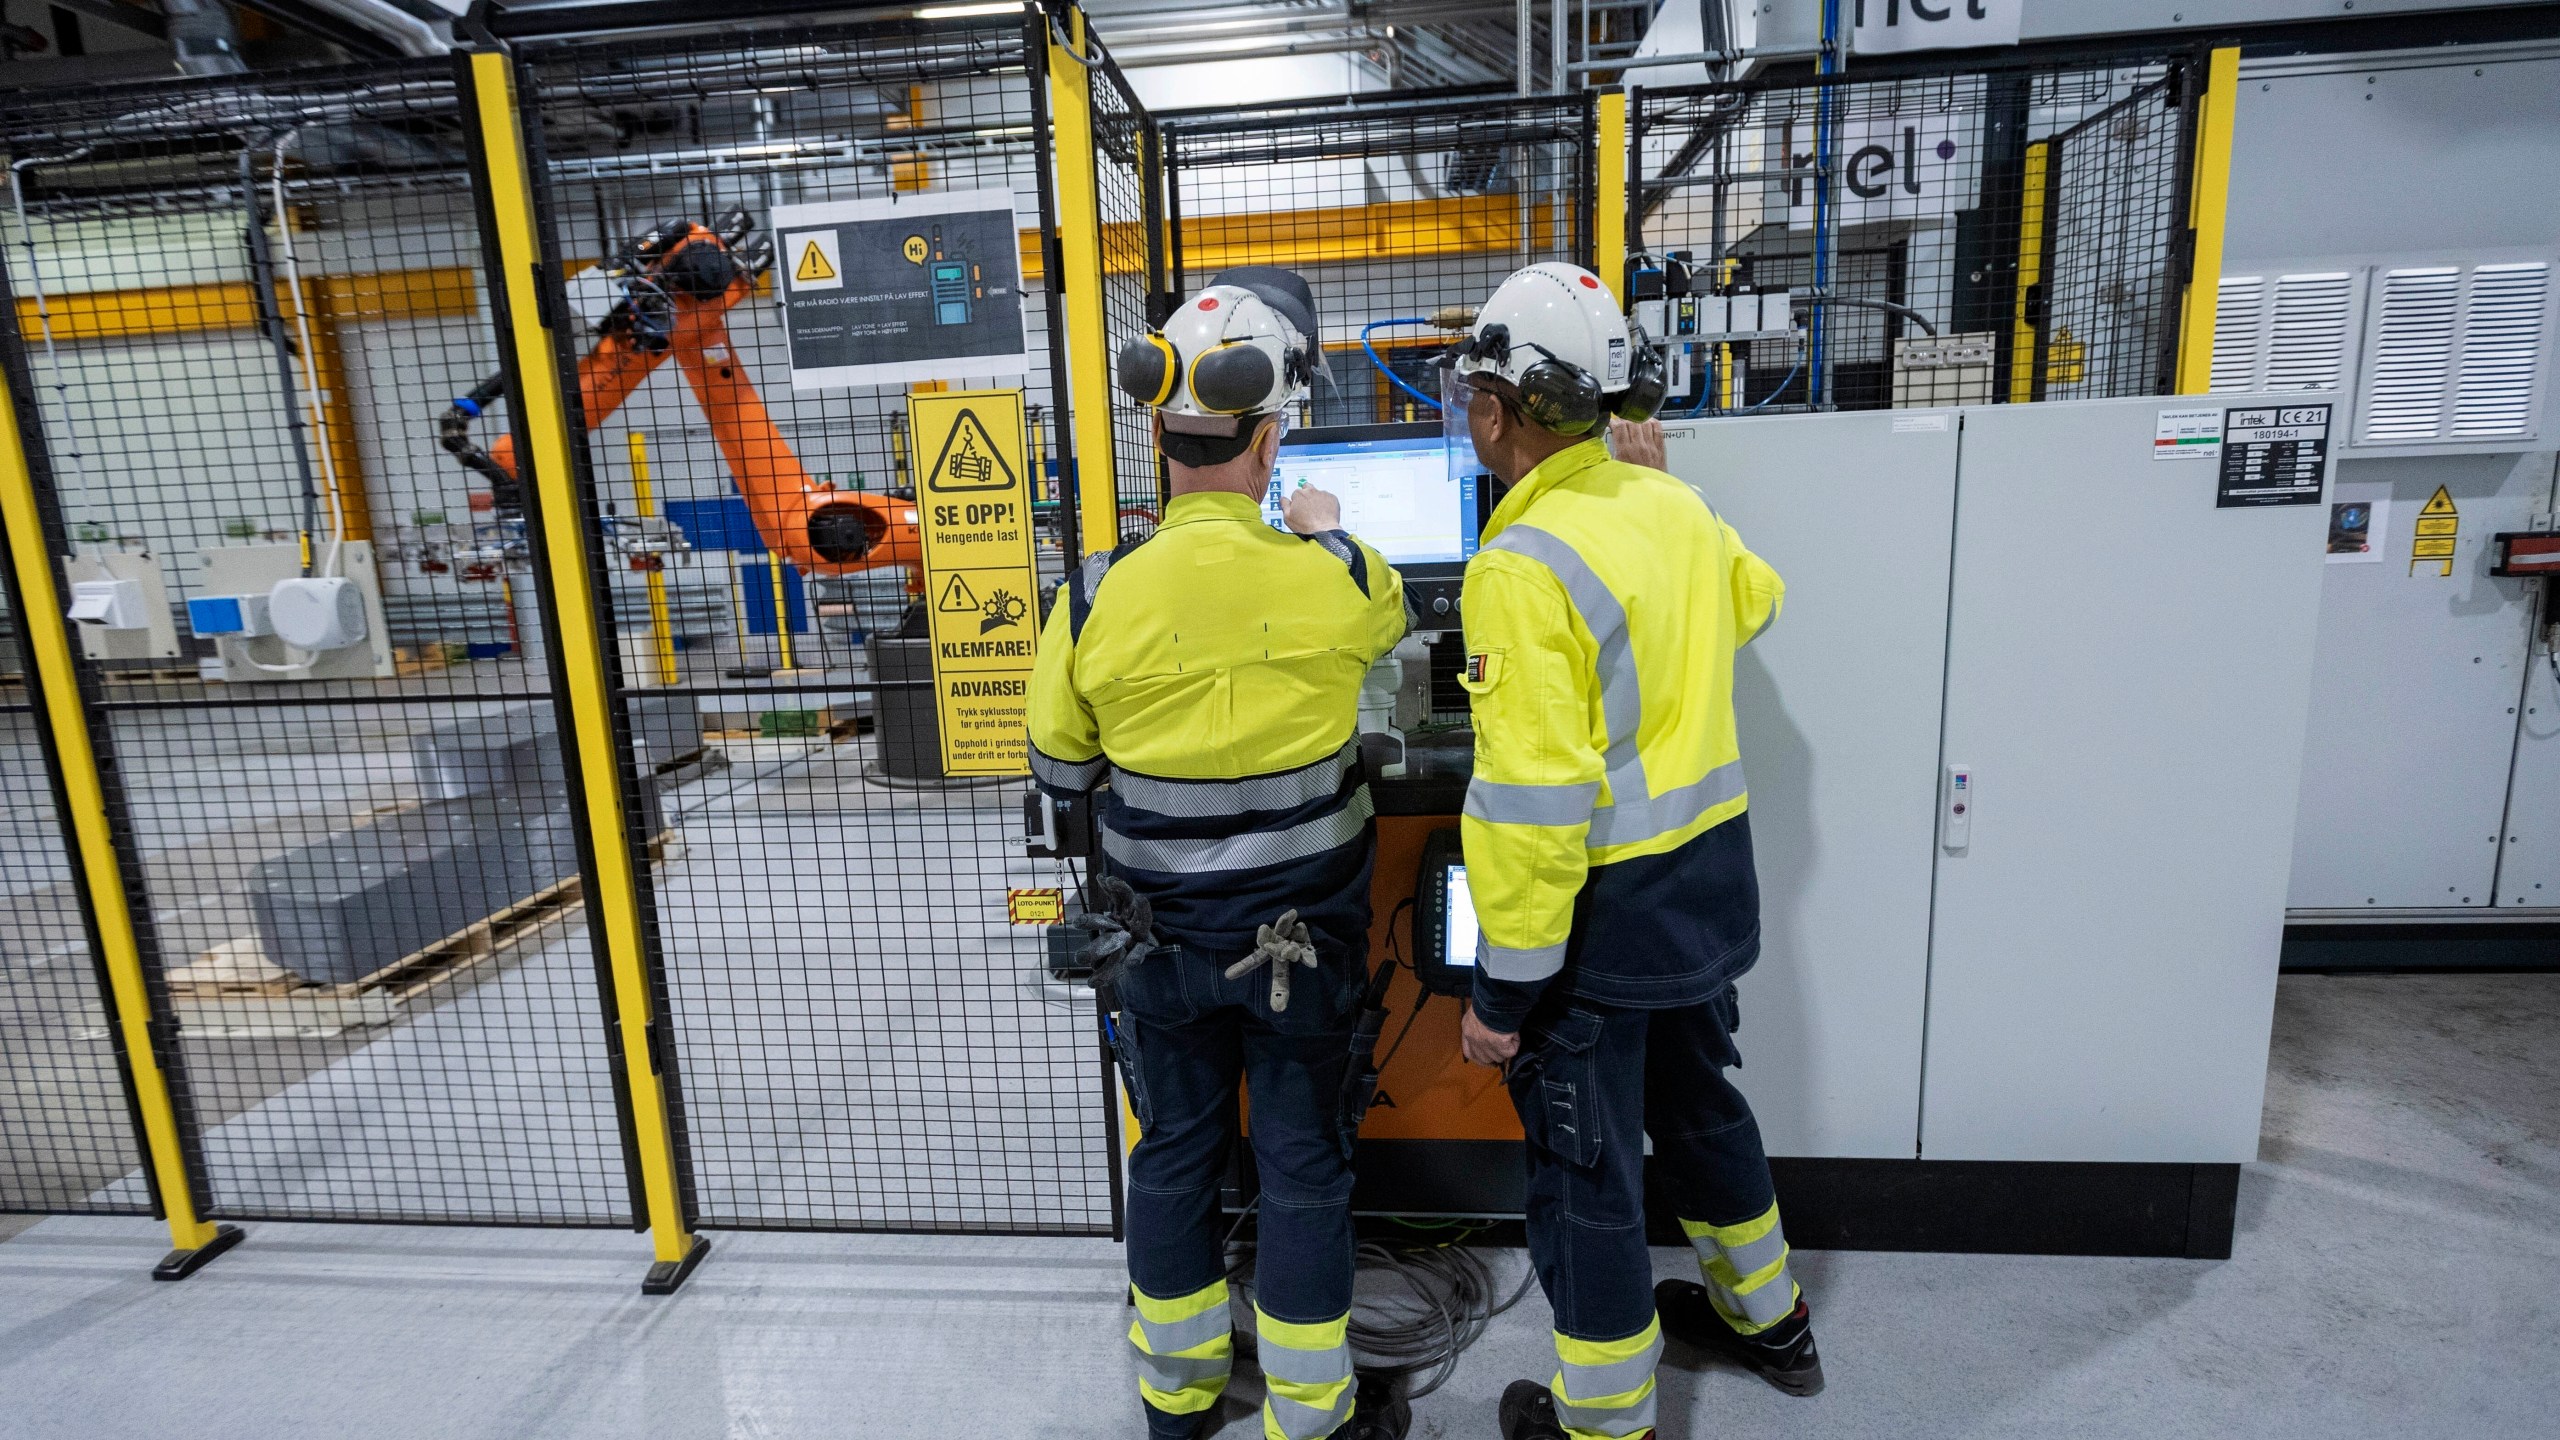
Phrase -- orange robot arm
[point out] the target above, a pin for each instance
(818, 528)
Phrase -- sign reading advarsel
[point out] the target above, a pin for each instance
(894, 291)
(973, 510)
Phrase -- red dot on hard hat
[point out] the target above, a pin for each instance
(1590, 284)
(1208, 302)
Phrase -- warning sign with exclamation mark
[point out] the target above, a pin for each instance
(903, 289)
(817, 263)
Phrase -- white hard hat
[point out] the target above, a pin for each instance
(1553, 334)
(1226, 356)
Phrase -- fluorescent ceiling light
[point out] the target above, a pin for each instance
(963, 12)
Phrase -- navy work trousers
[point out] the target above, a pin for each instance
(1590, 1083)
(1186, 1035)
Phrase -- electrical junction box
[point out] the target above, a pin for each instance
(109, 604)
(258, 569)
(1934, 370)
(321, 612)
(244, 616)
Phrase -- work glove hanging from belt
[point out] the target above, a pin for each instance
(1280, 944)
(1124, 931)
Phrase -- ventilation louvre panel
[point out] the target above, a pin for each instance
(2239, 317)
(2411, 354)
(2501, 351)
(2306, 346)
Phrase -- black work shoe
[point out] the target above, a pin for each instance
(1529, 1412)
(1379, 1410)
(1783, 1354)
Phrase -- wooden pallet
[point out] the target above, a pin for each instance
(235, 991)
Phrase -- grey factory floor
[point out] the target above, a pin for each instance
(2395, 1274)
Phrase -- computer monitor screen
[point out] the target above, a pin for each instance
(1394, 482)
(1460, 947)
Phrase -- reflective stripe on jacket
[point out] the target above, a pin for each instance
(1212, 675)
(1602, 616)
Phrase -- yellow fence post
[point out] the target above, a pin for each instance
(1609, 200)
(662, 635)
(541, 417)
(2026, 355)
(2207, 205)
(45, 640)
(1087, 383)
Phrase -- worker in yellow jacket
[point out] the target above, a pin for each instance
(1203, 685)
(1609, 854)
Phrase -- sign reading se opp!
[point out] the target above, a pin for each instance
(973, 512)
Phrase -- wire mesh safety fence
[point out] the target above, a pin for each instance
(860, 1038)
(66, 1126)
(1394, 211)
(1917, 237)
(246, 304)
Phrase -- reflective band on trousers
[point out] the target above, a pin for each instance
(1519, 965)
(1634, 813)
(1306, 1370)
(1184, 1346)
(1243, 852)
(1745, 1267)
(1604, 1388)
(1065, 774)
(1204, 799)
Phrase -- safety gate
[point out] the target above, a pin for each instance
(857, 1035)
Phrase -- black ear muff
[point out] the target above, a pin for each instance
(1149, 369)
(1647, 378)
(1232, 378)
(1560, 397)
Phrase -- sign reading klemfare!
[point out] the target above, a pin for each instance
(900, 290)
(973, 508)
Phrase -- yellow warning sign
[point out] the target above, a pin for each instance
(970, 459)
(975, 521)
(1035, 907)
(813, 265)
(2434, 537)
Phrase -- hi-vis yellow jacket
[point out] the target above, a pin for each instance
(1212, 675)
(1606, 844)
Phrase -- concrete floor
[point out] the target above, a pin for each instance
(2395, 1275)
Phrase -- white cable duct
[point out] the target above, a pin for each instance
(311, 393)
(310, 369)
(413, 35)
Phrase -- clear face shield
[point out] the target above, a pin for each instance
(1457, 398)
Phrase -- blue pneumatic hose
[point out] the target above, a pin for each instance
(1380, 361)
(1783, 381)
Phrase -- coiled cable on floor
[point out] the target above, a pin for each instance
(1441, 1299)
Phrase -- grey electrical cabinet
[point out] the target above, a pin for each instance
(2079, 963)
(2431, 759)
(1838, 705)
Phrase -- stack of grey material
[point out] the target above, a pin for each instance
(493, 828)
